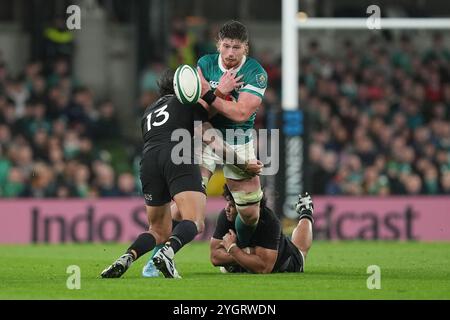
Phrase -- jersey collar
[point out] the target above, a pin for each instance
(223, 69)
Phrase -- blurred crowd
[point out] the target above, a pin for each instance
(55, 139)
(378, 118)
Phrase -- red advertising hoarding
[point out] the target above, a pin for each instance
(120, 220)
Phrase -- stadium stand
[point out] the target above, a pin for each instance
(56, 140)
(378, 120)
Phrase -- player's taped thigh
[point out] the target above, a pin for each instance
(244, 199)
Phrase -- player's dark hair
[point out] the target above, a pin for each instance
(165, 83)
(227, 194)
(233, 30)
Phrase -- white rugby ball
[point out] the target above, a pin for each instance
(186, 83)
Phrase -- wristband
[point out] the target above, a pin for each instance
(209, 97)
(219, 94)
(231, 246)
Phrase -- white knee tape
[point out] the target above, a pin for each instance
(243, 199)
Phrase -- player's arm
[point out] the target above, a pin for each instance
(218, 254)
(239, 111)
(220, 146)
(261, 261)
(252, 262)
(211, 137)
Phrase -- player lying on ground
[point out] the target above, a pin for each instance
(163, 180)
(269, 250)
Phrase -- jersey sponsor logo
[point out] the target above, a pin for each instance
(261, 80)
(214, 84)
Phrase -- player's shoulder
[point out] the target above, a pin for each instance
(158, 103)
(222, 217)
(252, 65)
(255, 74)
(208, 59)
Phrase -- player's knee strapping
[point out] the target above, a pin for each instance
(244, 199)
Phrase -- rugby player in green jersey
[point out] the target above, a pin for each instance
(233, 84)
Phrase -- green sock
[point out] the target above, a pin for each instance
(156, 249)
(244, 232)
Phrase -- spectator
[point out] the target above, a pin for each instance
(58, 41)
(15, 184)
(19, 94)
(150, 76)
(182, 45)
(106, 126)
(41, 184)
(126, 185)
(412, 184)
(81, 181)
(104, 180)
(445, 182)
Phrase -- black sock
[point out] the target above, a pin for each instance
(184, 232)
(175, 223)
(143, 244)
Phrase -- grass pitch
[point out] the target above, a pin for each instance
(333, 271)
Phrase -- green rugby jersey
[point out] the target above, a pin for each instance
(255, 82)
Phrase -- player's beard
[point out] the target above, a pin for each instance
(230, 64)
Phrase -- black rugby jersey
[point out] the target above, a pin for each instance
(165, 116)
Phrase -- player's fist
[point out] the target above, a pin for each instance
(254, 167)
(229, 239)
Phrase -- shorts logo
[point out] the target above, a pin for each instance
(148, 197)
(261, 79)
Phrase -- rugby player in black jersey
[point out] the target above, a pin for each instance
(163, 180)
(270, 250)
